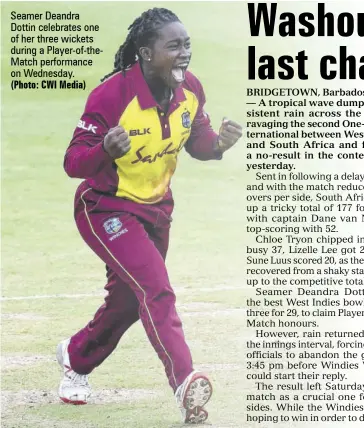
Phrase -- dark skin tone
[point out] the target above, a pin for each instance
(171, 49)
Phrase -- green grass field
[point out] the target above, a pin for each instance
(53, 283)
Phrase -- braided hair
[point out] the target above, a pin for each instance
(142, 32)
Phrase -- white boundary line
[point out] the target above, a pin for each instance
(98, 294)
(50, 296)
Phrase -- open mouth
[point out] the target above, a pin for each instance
(179, 72)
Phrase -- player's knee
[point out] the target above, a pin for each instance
(165, 296)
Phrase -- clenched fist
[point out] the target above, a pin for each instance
(229, 134)
(117, 142)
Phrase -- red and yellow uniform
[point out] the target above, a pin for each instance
(123, 209)
(143, 175)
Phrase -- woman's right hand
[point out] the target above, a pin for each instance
(116, 142)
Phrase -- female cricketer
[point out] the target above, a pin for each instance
(126, 146)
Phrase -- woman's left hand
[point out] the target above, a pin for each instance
(229, 134)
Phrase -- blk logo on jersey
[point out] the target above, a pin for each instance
(82, 124)
(135, 132)
(186, 119)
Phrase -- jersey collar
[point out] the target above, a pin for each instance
(144, 94)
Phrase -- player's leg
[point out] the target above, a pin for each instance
(137, 261)
(94, 343)
(84, 351)
(131, 254)
(160, 238)
(196, 390)
(127, 248)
